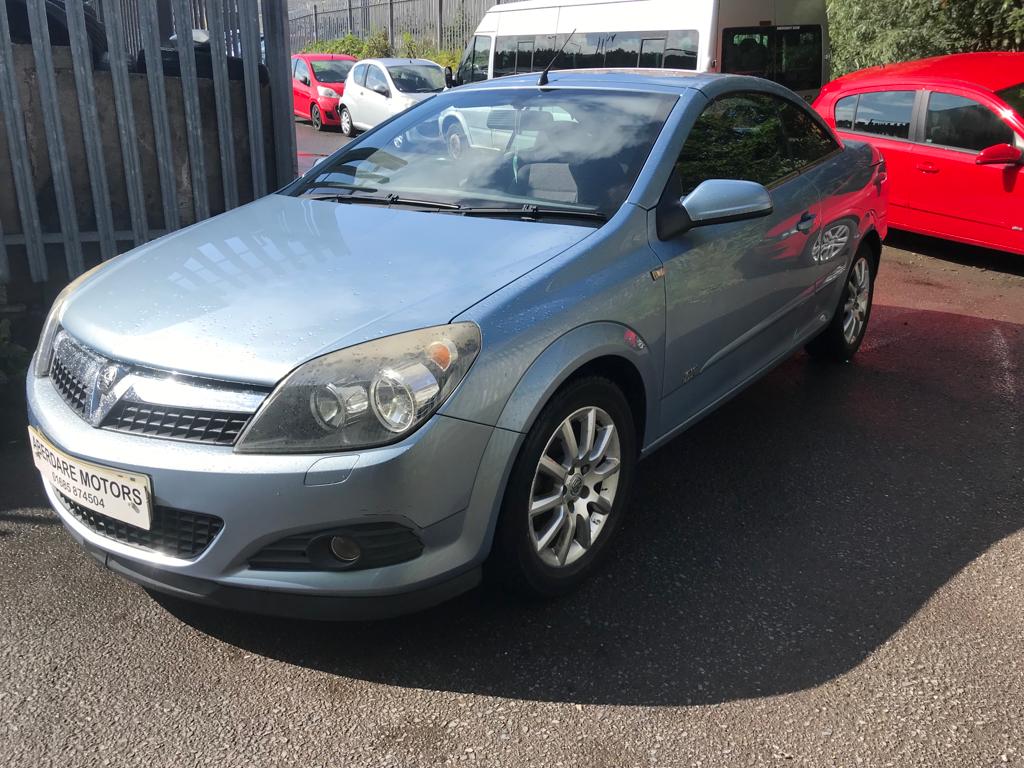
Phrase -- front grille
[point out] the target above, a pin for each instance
(199, 426)
(74, 392)
(172, 532)
(381, 544)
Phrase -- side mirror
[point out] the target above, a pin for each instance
(304, 80)
(449, 78)
(999, 154)
(715, 201)
(382, 90)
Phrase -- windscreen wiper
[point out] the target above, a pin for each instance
(534, 213)
(385, 200)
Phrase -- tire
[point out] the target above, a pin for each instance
(347, 127)
(316, 118)
(527, 556)
(839, 342)
(456, 141)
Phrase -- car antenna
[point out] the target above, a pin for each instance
(544, 75)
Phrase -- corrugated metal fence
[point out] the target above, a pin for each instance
(448, 24)
(154, 134)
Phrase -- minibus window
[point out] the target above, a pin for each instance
(622, 49)
(655, 49)
(790, 56)
(524, 56)
(652, 53)
(681, 51)
(475, 60)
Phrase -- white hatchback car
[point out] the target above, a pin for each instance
(377, 89)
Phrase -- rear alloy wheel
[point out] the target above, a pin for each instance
(568, 490)
(346, 123)
(316, 118)
(843, 336)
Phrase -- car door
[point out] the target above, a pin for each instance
(301, 88)
(956, 196)
(883, 118)
(375, 106)
(737, 293)
(355, 90)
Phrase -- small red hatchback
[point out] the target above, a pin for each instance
(318, 81)
(951, 130)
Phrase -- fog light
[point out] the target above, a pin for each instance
(345, 549)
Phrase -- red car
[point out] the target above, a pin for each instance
(318, 81)
(951, 129)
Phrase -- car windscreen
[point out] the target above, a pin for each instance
(502, 150)
(331, 71)
(417, 78)
(1014, 96)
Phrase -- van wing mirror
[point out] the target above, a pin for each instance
(715, 201)
(999, 154)
(449, 78)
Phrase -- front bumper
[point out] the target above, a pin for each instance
(443, 482)
(329, 110)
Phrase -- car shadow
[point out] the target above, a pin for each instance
(769, 549)
(958, 253)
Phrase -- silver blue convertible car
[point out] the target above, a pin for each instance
(412, 365)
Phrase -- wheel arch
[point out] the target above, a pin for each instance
(612, 350)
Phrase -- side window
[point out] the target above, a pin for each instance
(652, 52)
(885, 113)
(681, 50)
(374, 78)
(481, 58)
(622, 49)
(301, 70)
(955, 121)
(524, 56)
(739, 136)
(807, 142)
(846, 108)
(505, 56)
(359, 74)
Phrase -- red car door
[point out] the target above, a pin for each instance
(884, 118)
(301, 88)
(957, 197)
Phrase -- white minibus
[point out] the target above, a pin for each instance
(782, 40)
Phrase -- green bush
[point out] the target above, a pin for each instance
(377, 46)
(349, 44)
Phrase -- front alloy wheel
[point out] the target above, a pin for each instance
(316, 118)
(574, 487)
(567, 493)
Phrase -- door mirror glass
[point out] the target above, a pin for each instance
(715, 201)
(449, 78)
(304, 80)
(999, 154)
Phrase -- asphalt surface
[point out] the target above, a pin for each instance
(311, 145)
(827, 571)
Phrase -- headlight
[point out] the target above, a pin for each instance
(44, 350)
(330, 93)
(367, 395)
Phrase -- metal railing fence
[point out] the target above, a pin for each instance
(448, 24)
(147, 142)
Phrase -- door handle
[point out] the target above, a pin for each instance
(927, 167)
(806, 222)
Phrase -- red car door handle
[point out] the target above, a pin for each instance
(927, 167)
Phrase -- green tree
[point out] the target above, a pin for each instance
(869, 32)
